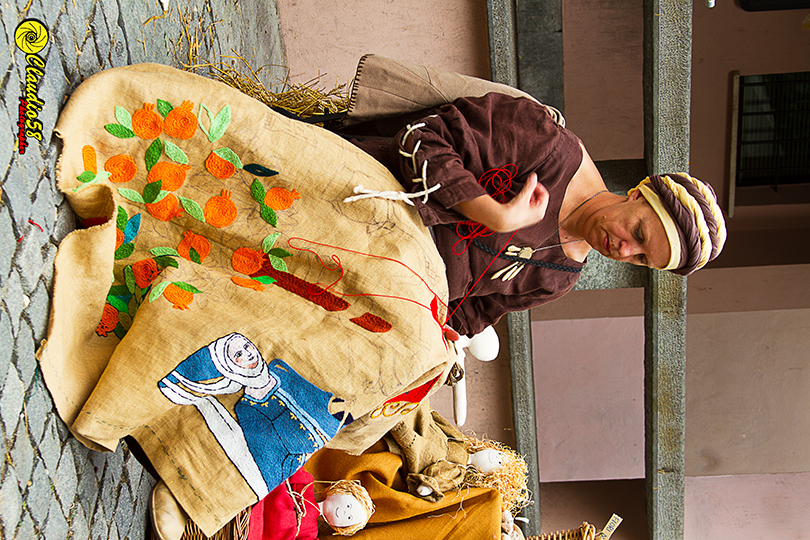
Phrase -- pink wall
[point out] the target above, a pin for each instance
(327, 37)
(726, 38)
(772, 506)
(602, 47)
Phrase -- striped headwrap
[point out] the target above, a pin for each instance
(693, 221)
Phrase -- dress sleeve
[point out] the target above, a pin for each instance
(463, 140)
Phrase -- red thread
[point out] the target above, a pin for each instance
(479, 277)
(497, 182)
(290, 243)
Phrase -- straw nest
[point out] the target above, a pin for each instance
(196, 42)
(511, 480)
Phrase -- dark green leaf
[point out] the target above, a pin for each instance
(151, 191)
(278, 252)
(259, 170)
(119, 131)
(153, 154)
(268, 214)
(187, 287)
(124, 251)
(257, 191)
(194, 256)
(164, 107)
(86, 176)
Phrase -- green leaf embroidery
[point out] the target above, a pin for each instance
(164, 107)
(165, 261)
(102, 175)
(194, 256)
(124, 251)
(117, 303)
(267, 280)
(151, 191)
(257, 191)
(129, 278)
(157, 290)
(119, 131)
(118, 290)
(187, 287)
(269, 240)
(86, 176)
(175, 153)
(199, 119)
(230, 156)
(121, 219)
(153, 154)
(130, 194)
(280, 253)
(119, 331)
(259, 170)
(220, 123)
(123, 117)
(268, 214)
(125, 321)
(163, 251)
(192, 208)
(277, 263)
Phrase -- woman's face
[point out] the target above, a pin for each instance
(243, 353)
(629, 231)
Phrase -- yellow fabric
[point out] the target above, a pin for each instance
(669, 226)
(105, 388)
(472, 514)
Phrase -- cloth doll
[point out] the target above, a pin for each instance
(290, 511)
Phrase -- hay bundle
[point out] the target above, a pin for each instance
(511, 480)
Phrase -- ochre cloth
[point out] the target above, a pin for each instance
(194, 316)
(472, 514)
(462, 141)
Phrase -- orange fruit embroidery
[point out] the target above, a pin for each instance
(172, 175)
(165, 209)
(279, 198)
(221, 168)
(89, 158)
(146, 123)
(109, 320)
(122, 168)
(145, 272)
(177, 296)
(220, 211)
(247, 261)
(181, 123)
(247, 283)
(198, 243)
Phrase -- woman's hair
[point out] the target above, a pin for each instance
(353, 488)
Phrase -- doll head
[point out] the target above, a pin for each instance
(487, 460)
(346, 506)
(510, 479)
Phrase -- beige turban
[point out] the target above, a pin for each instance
(692, 219)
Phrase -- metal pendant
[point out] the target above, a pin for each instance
(509, 272)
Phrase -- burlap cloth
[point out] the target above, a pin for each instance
(145, 302)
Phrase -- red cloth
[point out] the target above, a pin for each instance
(274, 518)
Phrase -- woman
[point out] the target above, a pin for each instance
(503, 162)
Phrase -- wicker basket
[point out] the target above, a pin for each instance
(236, 529)
(585, 532)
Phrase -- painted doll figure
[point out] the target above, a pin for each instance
(281, 418)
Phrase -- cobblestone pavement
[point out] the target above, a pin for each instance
(52, 486)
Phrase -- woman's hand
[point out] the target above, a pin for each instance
(526, 209)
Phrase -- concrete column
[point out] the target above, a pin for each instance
(667, 82)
